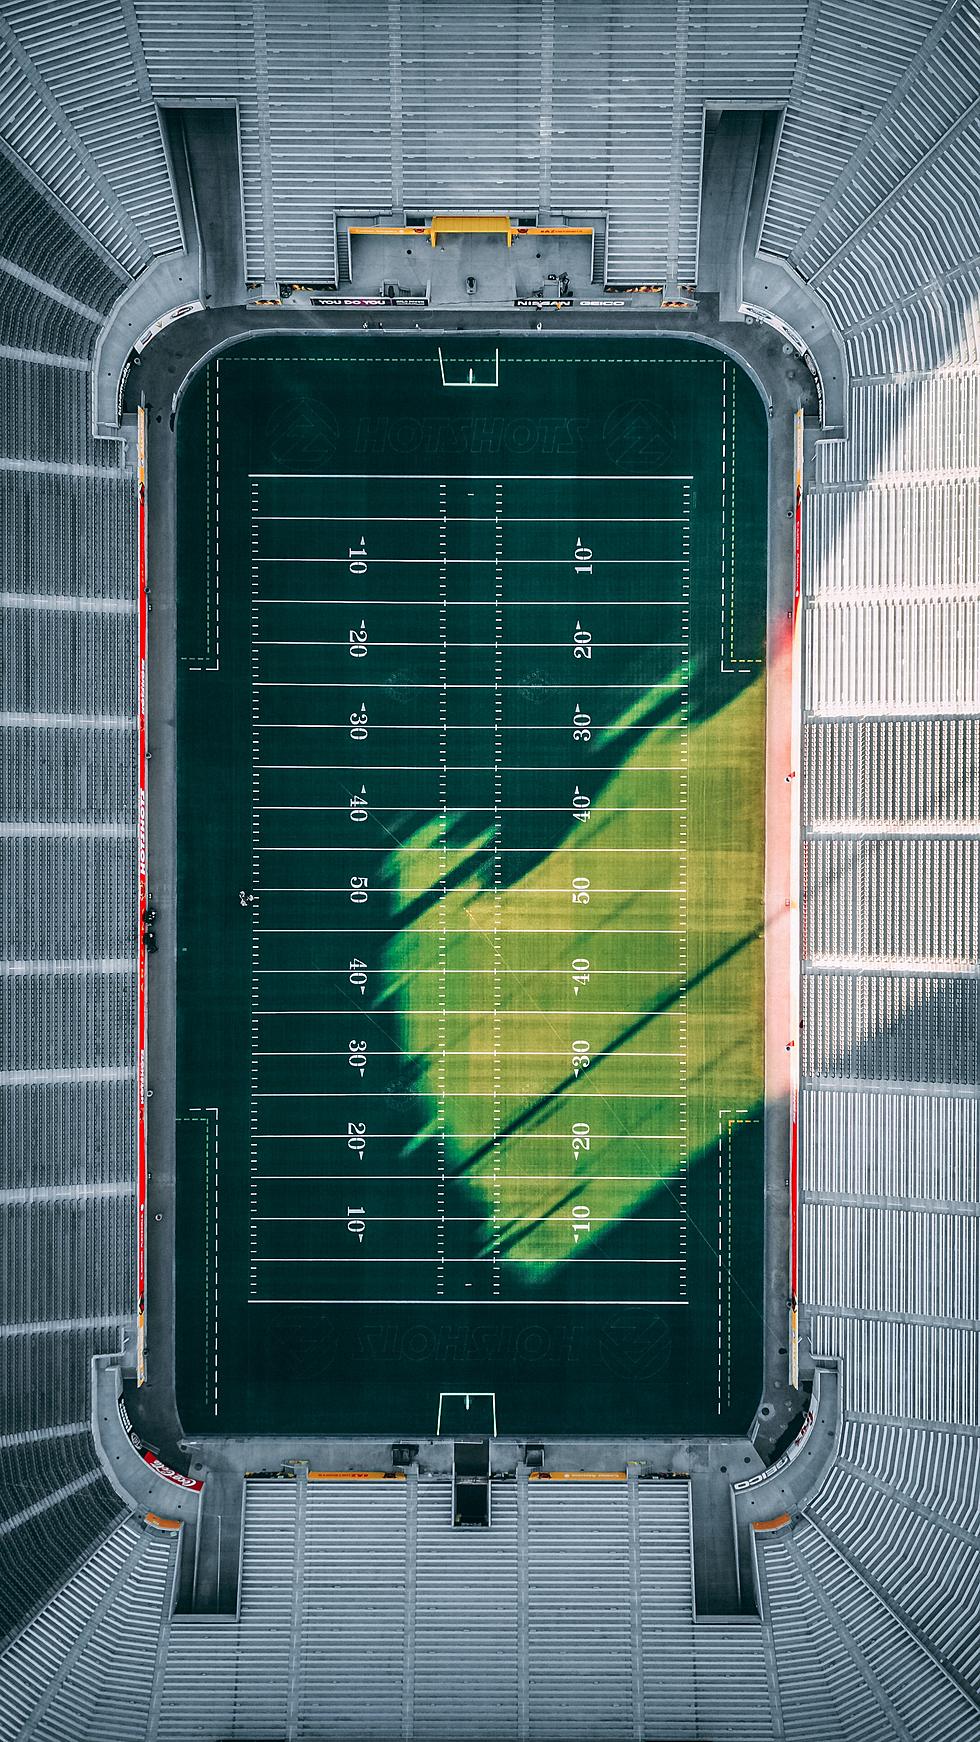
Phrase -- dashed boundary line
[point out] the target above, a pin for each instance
(203, 1116)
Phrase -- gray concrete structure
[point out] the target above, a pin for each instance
(809, 165)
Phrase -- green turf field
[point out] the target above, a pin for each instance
(470, 834)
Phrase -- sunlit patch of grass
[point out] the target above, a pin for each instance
(510, 1016)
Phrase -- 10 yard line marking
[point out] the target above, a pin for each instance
(470, 562)
(392, 1258)
(525, 1221)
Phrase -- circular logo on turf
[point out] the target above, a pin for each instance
(635, 435)
(635, 1344)
(302, 431)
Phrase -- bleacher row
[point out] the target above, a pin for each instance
(66, 870)
(884, 1561)
(364, 1614)
(871, 1594)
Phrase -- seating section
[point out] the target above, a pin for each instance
(854, 1667)
(67, 917)
(363, 1613)
(504, 107)
(85, 1666)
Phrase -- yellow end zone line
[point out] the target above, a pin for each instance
(355, 1476)
(576, 1476)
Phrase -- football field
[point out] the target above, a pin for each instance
(470, 846)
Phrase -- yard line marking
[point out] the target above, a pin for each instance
(466, 1009)
(476, 810)
(462, 1300)
(385, 931)
(514, 1179)
(481, 604)
(487, 519)
(471, 767)
(363, 1258)
(526, 1221)
(576, 1094)
(476, 1136)
(576, 478)
(470, 562)
(540, 689)
(476, 646)
(537, 973)
(451, 1052)
(432, 889)
(421, 726)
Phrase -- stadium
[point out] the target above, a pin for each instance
(490, 510)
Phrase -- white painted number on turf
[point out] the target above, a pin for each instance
(580, 725)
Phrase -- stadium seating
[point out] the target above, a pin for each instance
(84, 1667)
(66, 865)
(870, 1594)
(466, 1634)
